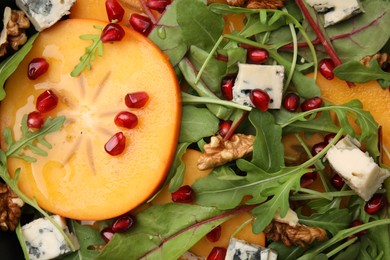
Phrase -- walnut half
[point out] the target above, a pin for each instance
(299, 235)
(219, 151)
(10, 208)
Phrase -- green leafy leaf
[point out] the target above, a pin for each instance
(354, 71)
(197, 123)
(176, 172)
(165, 231)
(8, 66)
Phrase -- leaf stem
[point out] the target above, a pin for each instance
(190, 99)
(341, 247)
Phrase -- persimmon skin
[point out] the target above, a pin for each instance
(79, 179)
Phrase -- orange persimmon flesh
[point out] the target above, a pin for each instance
(204, 246)
(79, 179)
(373, 97)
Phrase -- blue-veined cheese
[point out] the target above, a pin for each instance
(242, 250)
(44, 13)
(336, 10)
(357, 168)
(265, 77)
(44, 241)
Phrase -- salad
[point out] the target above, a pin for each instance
(276, 139)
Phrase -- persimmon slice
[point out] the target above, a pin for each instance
(79, 179)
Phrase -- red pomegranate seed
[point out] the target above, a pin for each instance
(113, 32)
(291, 102)
(217, 253)
(116, 144)
(35, 120)
(311, 103)
(227, 87)
(355, 223)
(222, 57)
(375, 204)
(260, 99)
(123, 223)
(126, 119)
(224, 127)
(141, 23)
(308, 178)
(114, 11)
(337, 182)
(326, 67)
(47, 101)
(257, 56)
(107, 234)
(317, 148)
(329, 137)
(215, 234)
(158, 5)
(185, 194)
(37, 67)
(136, 99)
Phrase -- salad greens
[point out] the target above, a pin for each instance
(191, 34)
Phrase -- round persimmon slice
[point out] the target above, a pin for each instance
(79, 179)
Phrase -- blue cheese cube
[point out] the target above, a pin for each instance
(336, 10)
(44, 240)
(265, 77)
(44, 13)
(357, 168)
(242, 250)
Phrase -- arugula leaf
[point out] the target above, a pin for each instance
(287, 253)
(351, 252)
(176, 172)
(87, 236)
(268, 150)
(354, 71)
(200, 27)
(197, 123)
(8, 66)
(166, 231)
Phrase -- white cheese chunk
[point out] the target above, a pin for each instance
(336, 10)
(44, 240)
(44, 13)
(291, 218)
(265, 77)
(357, 168)
(242, 250)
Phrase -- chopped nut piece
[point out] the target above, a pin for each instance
(220, 151)
(265, 4)
(299, 235)
(382, 58)
(10, 208)
(236, 2)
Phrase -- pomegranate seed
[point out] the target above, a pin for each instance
(291, 102)
(185, 194)
(141, 23)
(158, 5)
(224, 127)
(126, 119)
(217, 253)
(47, 101)
(329, 137)
(260, 99)
(107, 234)
(215, 234)
(37, 67)
(317, 148)
(227, 87)
(114, 11)
(308, 178)
(123, 223)
(311, 103)
(337, 182)
(113, 32)
(136, 99)
(222, 57)
(375, 204)
(116, 144)
(35, 120)
(257, 56)
(326, 67)
(355, 223)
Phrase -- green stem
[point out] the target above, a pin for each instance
(295, 52)
(316, 194)
(190, 99)
(341, 247)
